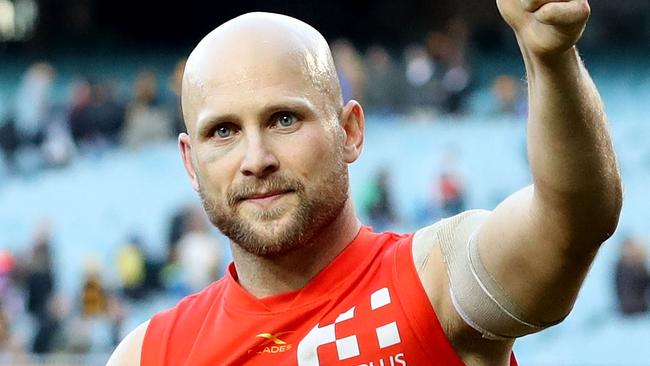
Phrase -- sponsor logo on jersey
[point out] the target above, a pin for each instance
(272, 343)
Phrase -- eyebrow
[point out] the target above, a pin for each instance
(300, 105)
(205, 124)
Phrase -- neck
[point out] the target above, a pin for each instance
(263, 277)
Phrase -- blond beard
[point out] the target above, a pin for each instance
(317, 208)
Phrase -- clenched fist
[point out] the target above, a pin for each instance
(546, 27)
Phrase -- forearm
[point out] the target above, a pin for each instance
(571, 156)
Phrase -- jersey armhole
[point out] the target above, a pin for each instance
(418, 309)
(154, 344)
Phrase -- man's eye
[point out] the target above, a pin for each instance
(223, 131)
(285, 119)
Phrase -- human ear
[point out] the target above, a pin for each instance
(185, 147)
(352, 123)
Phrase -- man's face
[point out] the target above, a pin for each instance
(267, 152)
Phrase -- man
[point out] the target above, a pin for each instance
(268, 144)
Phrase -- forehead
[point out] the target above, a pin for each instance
(250, 90)
(242, 72)
(237, 71)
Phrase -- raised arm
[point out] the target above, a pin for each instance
(518, 269)
(539, 243)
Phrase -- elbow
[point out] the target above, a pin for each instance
(604, 211)
(589, 217)
(612, 210)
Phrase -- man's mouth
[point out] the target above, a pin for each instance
(264, 198)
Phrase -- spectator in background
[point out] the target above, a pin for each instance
(175, 81)
(449, 187)
(510, 99)
(378, 204)
(116, 316)
(90, 329)
(11, 346)
(93, 294)
(107, 111)
(58, 146)
(449, 49)
(350, 69)
(199, 253)
(33, 104)
(178, 226)
(383, 95)
(420, 70)
(40, 276)
(37, 135)
(632, 278)
(79, 115)
(5, 332)
(452, 196)
(49, 335)
(147, 119)
(11, 298)
(11, 302)
(8, 141)
(131, 268)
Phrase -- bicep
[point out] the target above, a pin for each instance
(533, 254)
(129, 350)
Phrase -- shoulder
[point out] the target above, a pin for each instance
(129, 350)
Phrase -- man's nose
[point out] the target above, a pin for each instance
(259, 160)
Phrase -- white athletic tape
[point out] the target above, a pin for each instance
(475, 294)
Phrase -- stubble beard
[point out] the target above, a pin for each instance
(318, 206)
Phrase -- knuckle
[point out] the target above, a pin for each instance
(585, 8)
(580, 11)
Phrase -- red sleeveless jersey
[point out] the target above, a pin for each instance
(366, 308)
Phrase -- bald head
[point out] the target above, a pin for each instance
(256, 51)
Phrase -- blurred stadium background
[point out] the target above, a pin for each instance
(99, 227)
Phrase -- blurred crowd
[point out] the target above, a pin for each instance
(427, 79)
(37, 317)
(41, 131)
(444, 198)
